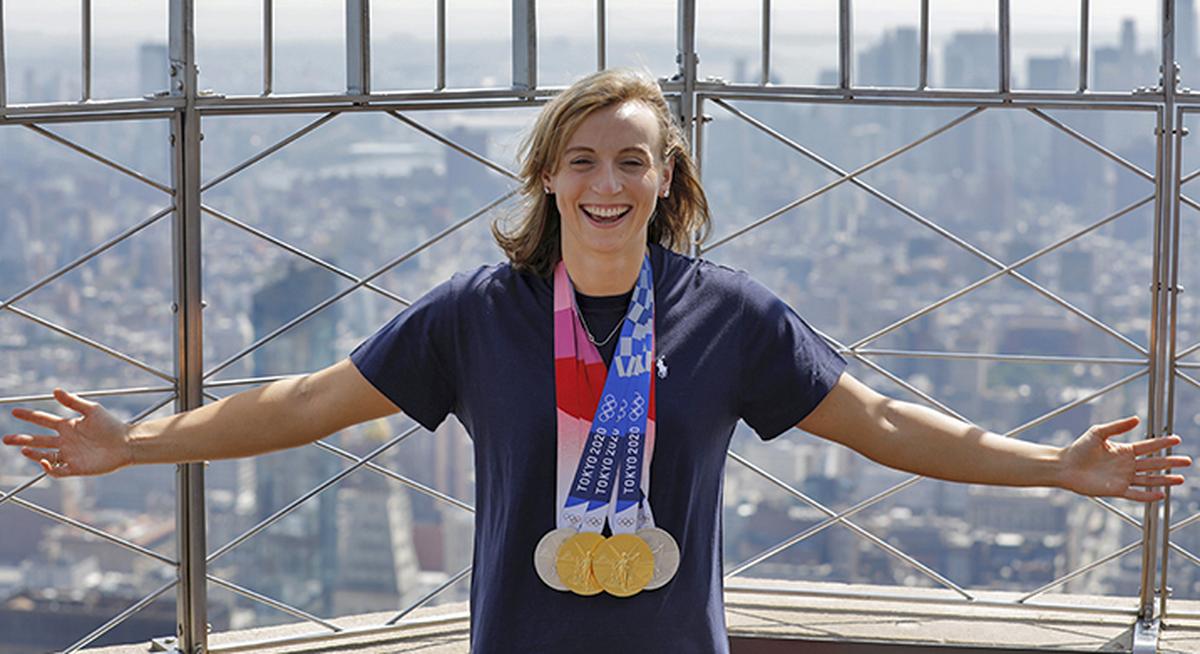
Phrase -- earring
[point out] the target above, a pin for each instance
(546, 190)
(666, 193)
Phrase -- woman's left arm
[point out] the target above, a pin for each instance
(909, 437)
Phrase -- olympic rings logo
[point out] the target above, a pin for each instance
(607, 408)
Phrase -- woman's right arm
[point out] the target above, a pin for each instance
(276, 416)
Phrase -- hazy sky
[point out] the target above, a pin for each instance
(308, 19)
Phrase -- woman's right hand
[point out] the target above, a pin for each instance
(93, 443)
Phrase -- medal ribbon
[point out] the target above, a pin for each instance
(605, 416)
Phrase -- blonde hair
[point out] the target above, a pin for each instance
(532, 241)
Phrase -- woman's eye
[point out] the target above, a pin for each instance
(633, 162)
(575, 162)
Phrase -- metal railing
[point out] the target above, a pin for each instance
(185, 108)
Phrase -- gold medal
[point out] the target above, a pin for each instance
(574, 563)
(623, 565)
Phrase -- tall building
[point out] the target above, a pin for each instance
(971, 61)
(893, 61)
(295, 560)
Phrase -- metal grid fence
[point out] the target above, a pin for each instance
(185, 108)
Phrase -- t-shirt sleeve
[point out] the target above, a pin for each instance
(410, 359)
(787, 368)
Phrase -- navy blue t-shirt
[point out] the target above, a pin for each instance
(481, 346)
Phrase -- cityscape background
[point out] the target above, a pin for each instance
(365, 188)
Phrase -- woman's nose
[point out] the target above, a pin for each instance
(606, 181)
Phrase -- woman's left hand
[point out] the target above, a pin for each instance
(1095, 465)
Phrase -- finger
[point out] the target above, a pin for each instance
(1155, 444)
(1156, 480)
(1162, 462)
(1110, 429)
(57, 471)
(1143, 496)
(34, 440)
(39, 418)
(37, 456)
(73, 401)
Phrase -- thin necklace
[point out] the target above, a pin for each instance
(588, 330)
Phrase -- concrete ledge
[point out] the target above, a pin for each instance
(772, 616)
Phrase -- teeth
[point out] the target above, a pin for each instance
(606, 212)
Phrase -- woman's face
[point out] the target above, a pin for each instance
(607, 182)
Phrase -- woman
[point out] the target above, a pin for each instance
(600, 374)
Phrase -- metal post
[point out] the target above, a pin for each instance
(358, 47)
(1085, 16)
(1146, 629)
(845, 43)
(923, 81)
(1005, 47)
(685, 43)
(191, 595)
(441, 45)
(601, 35)
(1171, 293)
(524, 44)
(766, 42)
(3, 66)
(268, 47)
(85, 49)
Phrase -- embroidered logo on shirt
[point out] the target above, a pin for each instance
(662, 367)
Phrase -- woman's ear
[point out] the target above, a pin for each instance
(668, 171)
(546, 183)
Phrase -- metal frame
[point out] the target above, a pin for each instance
(185, 109)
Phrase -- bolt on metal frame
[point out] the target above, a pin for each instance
(185, 108)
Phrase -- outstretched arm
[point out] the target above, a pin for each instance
(279, 415)
(909, 437)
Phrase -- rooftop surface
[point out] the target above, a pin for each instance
(775, 616)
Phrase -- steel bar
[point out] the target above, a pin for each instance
(276, 147)
(765, 48)
(929, 97)
(1188, 378)
(273, 603)
(430, 595)
(3, 66)
(845, 45)
(391, 474)
(1003, 271)
(380, 631)
(822, 525)
(85, 49)
(929, 224)
(454, 146)
(191, 600)
(246, 381)
(359, 284)
(440, 47)
(100, 158)
(902, 383)
(268, 45)
(283, 512)
(844, 178)
(908, 598)
(16, 491)
(1188, 365)
(1085, 33)
(95, 531)
(524, 45)
(1191, 349)
(1083, 570)
(1005, 22)
(113, 392)
(84, 258)
(358, 47)
(84, 340)
(120, 617)
(1079, 401)
(859, 531)
(601, 35)
(280, 243)
(1118, 159)
(1171, 293)
(373, 107)
(688, 61)
(1014, 358)
(84, 117)
(923, 66)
